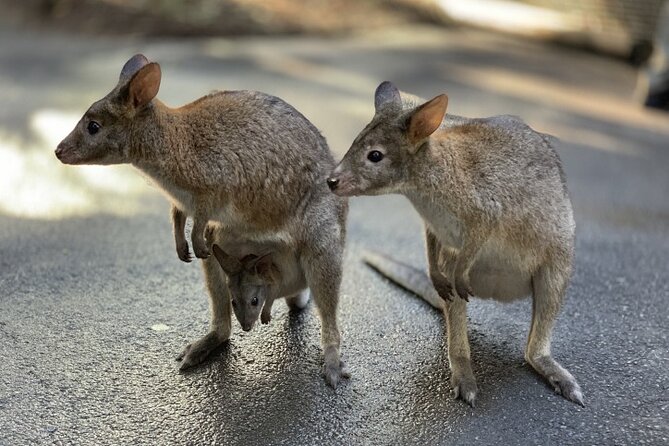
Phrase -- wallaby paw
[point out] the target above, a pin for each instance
(465, 388)
(335, 372)
(265, 318)
(184, 253)
(201, 252)
(463, 289)
(445, 291)
(197, 352)
(568, 388)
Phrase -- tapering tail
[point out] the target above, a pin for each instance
(408, 277)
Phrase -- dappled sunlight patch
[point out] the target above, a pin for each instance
(34, 184)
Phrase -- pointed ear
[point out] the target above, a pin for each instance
(143, 85)
(230, 264)
(386, 93)
(265, 268)
(425, 120)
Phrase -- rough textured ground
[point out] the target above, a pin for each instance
(94, 303)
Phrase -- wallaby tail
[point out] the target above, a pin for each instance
(408, 277)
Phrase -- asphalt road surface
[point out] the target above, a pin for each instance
(95, 305)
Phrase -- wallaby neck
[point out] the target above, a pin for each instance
(154, 132)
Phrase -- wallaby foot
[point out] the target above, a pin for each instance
(219, 301)
(463, 381)
(323, 270)
(549, 284)
(334, 368)
(299, 301)
(196, 353)
(562, 381)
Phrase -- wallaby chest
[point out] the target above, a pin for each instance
(180, 197)
(440, 220)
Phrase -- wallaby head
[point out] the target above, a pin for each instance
(377, 161)
(252, 281)
(102, 136)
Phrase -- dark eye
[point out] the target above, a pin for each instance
(234, 303)
(375, 156)
(254, 301)
(93, 127)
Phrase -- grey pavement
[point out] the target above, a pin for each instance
(95, 305)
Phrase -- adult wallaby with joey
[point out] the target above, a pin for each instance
(498, 218)
(245, 163)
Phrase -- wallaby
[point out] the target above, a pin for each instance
(246, 163)
(256, 281)
(498, 218)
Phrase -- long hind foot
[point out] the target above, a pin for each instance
(562, 381)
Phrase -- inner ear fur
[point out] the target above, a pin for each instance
(425, 120)
(143, 86)
(265, 268)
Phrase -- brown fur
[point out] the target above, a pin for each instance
(244, 164)
(498, 219)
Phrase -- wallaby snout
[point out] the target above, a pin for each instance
(65, 152)
(342, 182)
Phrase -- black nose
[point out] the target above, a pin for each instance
(332, 183)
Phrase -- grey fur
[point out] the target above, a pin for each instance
(498, 218)
(246, 166)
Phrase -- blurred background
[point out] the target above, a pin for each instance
(94, 302)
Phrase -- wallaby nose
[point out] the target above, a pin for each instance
(247, 327)
(59, 150)
(333, 183)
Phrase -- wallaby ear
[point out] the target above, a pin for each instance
(265, 268)
(143, 85)
(230, 264)
(425, 120)
(132, 66)
(386, 93)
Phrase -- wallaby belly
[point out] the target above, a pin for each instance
(500, 272)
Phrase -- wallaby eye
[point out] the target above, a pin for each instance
(93, 127)
(234, 303)
(254, 301)
(375, 156)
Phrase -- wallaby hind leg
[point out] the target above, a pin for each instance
(549, 286)
(455, 312)
(220, 326)
(299, 301)
(462, 377)
(323, 271)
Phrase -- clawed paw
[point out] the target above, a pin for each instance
(184, 253)
(463, 289)
(569, 389)
(335, 372)
(265, 318)
(465, 388)
(201, 252)
(197, 352)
